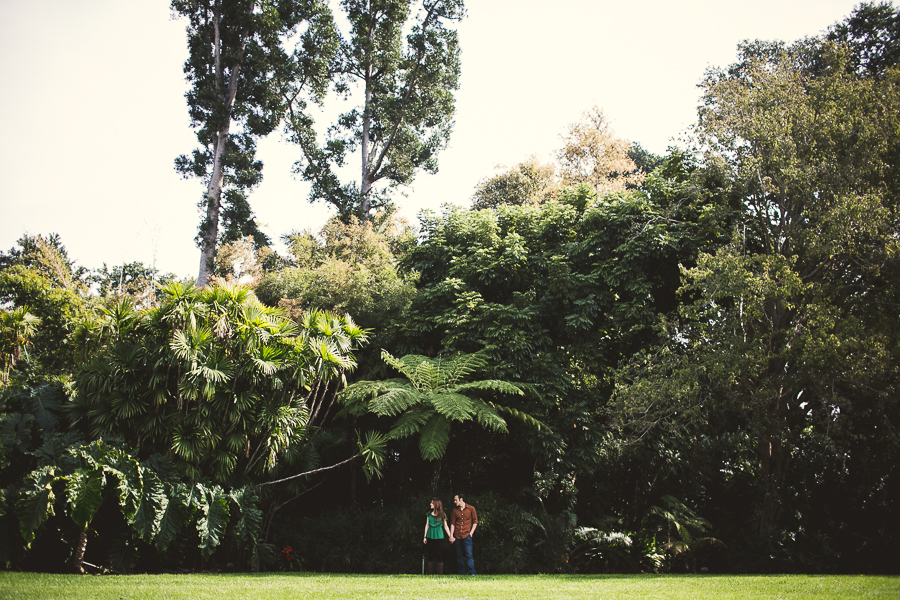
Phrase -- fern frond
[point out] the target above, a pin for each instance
(428, 375)
(434, 437)
(363, 391)
(461, 366)
(453, 406)
(489, 385)
(488, 417)
(521, 416)
(394, 401)
(410, 422)
(406, 365)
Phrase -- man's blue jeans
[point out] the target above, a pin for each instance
(464, 559)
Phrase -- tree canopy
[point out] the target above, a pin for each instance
(399, 62)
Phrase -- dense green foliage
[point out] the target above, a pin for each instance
(194, 405)
(700, 351)
(227, 384)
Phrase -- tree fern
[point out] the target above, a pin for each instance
(433, 396)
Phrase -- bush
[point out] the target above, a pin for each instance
(388, 539)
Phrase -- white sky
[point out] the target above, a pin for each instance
(92, 109)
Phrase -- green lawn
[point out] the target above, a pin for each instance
(294, 586)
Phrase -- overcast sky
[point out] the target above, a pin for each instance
(92, 111)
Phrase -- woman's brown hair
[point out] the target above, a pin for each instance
(438, 509)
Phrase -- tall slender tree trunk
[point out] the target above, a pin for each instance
(435, 477)
(365, 183)
(209, 236)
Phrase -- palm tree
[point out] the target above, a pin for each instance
(230, 387)
(17, 327)
(432, 395)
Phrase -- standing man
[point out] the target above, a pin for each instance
(463, 522)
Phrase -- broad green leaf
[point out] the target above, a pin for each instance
(212, 519)
(35, 503)
(250, 517)
(176, 510)
(15, 432)
(129, 483)
(147, 518)
(84, 490)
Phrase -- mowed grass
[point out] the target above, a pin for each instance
(27, 586)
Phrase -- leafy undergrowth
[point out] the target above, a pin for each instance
(28, 586)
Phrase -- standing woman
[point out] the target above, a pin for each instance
(435, 526)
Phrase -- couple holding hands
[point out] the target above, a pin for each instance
(463, 522)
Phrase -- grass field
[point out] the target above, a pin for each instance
(28, 586)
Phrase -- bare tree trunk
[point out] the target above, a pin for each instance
(210, 234)
(435, 477)
(365, 184)
(78, 559)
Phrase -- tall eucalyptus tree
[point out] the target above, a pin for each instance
(240, 73)
(406, 105)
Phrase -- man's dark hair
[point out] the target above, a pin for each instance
(461, 497)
